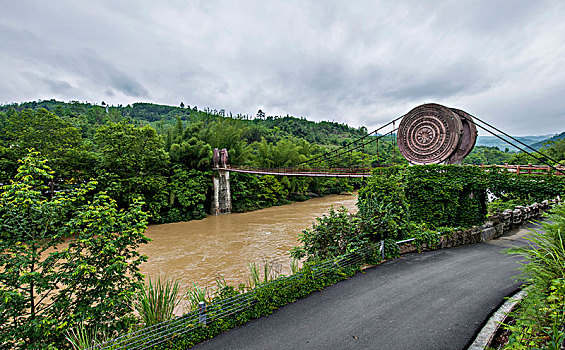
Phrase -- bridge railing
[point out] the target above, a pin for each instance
(367, 170)
(307, 170)
(530, 169)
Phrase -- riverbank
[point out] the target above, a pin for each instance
(199, 251)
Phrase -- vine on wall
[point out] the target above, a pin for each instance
(452, 195)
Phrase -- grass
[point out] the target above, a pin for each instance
(80, 338)
(196, 294)
(157, 301)
(270, 272)
(541, 316)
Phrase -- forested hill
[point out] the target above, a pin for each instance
(163, 154)
(557, 137)
(87, 117)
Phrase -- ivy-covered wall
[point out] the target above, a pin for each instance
(523, 187)
(437, 195)
(453, 195)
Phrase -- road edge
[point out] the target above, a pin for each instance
(486, 334)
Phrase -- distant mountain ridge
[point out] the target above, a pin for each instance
(493, 141)
(556, 137)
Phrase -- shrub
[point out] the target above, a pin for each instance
(332, 235)
(540, 319)
(156, 301)
(46, 289)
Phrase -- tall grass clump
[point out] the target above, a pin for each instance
(196, 294)
(157, 301)
(294, 266)
(81, 338)
(540, 319)
(269, 273)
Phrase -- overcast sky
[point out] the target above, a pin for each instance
(358, 62)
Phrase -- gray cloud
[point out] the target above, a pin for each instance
(363, 63)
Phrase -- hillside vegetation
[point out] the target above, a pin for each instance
(164, 153)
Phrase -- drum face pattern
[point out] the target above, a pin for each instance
(430, 133)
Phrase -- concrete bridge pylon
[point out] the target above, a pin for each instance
(221, 200)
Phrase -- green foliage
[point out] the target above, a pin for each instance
(156, 301)
(541, 316)
(272, 192)
(285, 153)
(429, 238)
(251, 192)
(383, 206)
(138, 150)
(256, 278)
(555, 150)
(245, 189)
(82, 338)
(524, 188)
(501, 204)
(47, 287)
(438, 195)
(446, 195)
(47, 133)
(188, 191)
(136, 161)
(263, 300)
(488, 155)
(195, 295)
(193, 154)
(332, 235)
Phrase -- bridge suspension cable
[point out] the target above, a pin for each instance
(543, 158)
(345, 148)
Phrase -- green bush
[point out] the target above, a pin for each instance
(437, 195)
(334, 234)
(45, 289)
(156, 302)
(523, 187)
(541, 316)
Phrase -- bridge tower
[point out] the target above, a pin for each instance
(221, 201)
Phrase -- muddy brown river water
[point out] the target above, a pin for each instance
(199, 251)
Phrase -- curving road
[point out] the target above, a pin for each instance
(435, 300)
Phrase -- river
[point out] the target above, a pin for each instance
(199, 251)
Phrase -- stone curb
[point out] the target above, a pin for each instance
(486, 334)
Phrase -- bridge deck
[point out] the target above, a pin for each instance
(298, 173)
(363, 171)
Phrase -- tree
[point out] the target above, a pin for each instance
(260, 114)
(65, 260)
(192, 154)
(182, 104)
(132, 162)
(228, 134)
(47, 133)
(555, 150)
(187, 190)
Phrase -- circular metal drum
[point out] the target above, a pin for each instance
(468, 138)
(430, 133)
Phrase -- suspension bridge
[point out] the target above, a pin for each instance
(430, 133)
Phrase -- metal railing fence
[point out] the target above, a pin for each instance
(149, 337)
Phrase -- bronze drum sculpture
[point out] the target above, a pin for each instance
(432, 133)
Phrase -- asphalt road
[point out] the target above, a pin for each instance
(434, 300)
